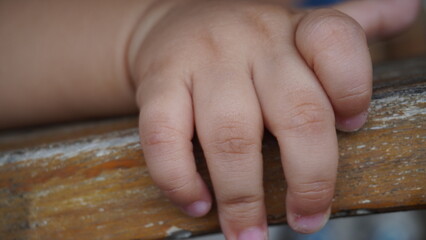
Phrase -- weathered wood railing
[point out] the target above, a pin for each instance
(89, 180)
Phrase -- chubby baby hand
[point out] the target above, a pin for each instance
(227, 69)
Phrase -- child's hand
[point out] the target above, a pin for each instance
(229, 68)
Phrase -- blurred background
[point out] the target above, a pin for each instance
(386, 226)
(410, 43)
(409, 225)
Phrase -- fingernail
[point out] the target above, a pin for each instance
(197, 209)
(253, 233)
(310, 224)
(353, 123)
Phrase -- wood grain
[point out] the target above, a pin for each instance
(89, 180)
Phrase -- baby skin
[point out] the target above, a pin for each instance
(223, 69)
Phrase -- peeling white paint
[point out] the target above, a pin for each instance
(378, 127)
(172, 230)
(79, 200)
(149, 225)
(100, 145)
(38, 224)
(407, 110)
(403, 108)
(45, 193)
(362, 212)
(100, 178)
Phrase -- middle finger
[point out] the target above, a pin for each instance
(229, 125)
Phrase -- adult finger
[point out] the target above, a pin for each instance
(297, 112)
(166, 129)
(229, 126)
(335, 48)
(382, 18)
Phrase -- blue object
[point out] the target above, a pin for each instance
(318, 3)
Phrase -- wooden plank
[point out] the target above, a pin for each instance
(93, 183)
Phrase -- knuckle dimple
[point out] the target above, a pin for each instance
(233, 140)
(313, 191)
(266, 20)
(241, 207)
(159, 135)
(163, 142)
(173, 182)
(211, 45)
(362, 92)
(155, 138)
(238, 201)
(308, 118)
(234, 145)
(352, 101)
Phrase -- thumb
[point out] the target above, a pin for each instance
(382, 18)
